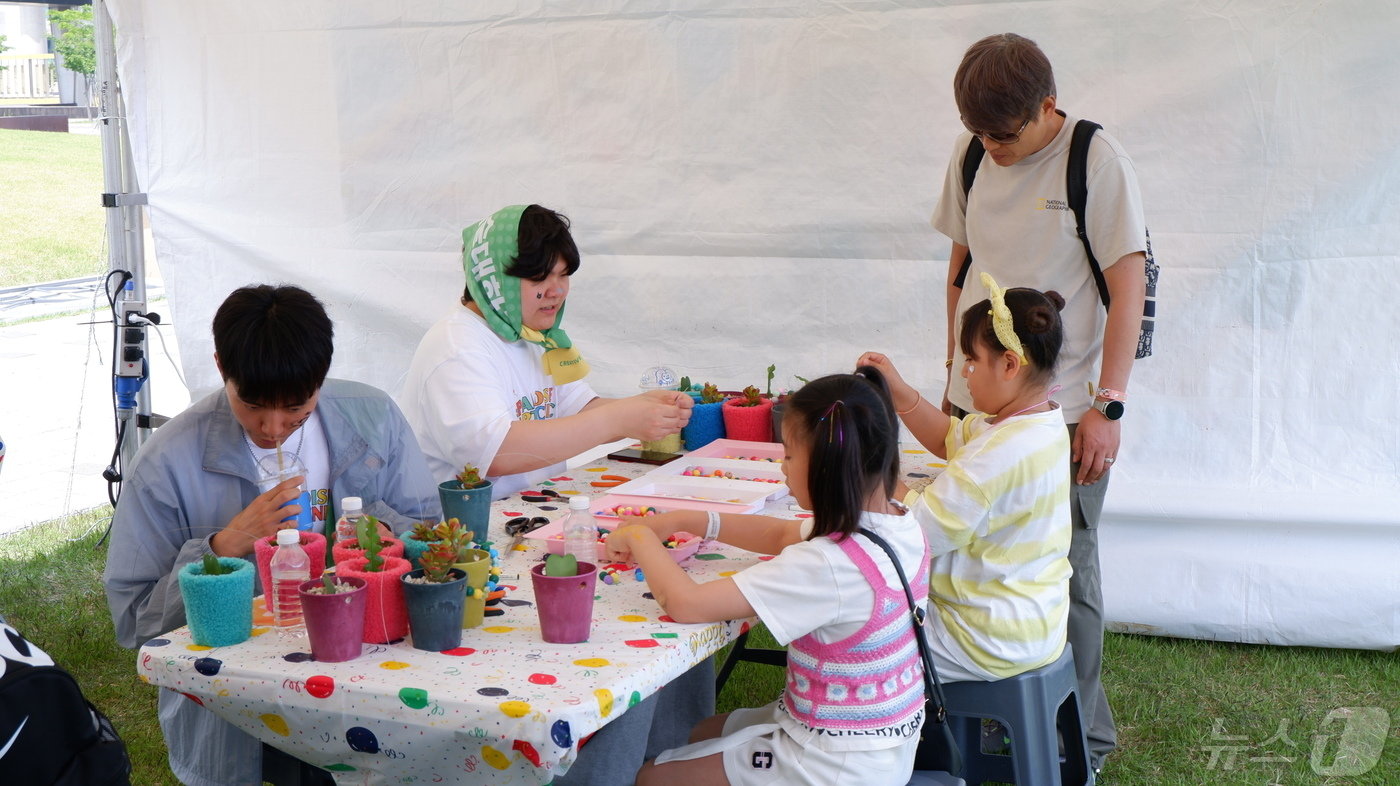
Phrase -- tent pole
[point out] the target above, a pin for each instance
(125, 247)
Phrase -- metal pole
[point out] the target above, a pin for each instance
(125, 244)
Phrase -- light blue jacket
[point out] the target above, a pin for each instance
(187, 482)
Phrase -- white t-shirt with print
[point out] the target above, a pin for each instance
(1017, 222)
(466, 387)
(309, 444)
(813, 587)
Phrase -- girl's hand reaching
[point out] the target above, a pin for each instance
(620, 541)
(903, 394)
(667, 524)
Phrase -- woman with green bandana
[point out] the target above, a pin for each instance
(498, 384)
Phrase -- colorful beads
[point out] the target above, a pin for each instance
(701, 472)
(677, 540)
(634, 510)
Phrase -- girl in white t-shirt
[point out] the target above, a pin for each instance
(997, 519)
(853, 702)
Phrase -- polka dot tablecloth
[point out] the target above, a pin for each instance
(504, 707)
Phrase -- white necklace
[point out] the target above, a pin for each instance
(301, 440)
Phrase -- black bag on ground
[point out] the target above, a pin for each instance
(49, 733)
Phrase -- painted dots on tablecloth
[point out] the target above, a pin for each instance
(596, 469)
(727, 573)
(276, 723)
(666, 618)
(561, 734)
(459, 652)
(193, 698)
(937, 465)
(197, 648)
(527, 750)
(361, 740)
(321, 686)
(543, 679)
(648, 596)
(914, 451)
(498, 629)
(766, 557)
(157, 643)
(710, 556)
(298, 657)
(592, 663)
(494, 757)
(493, 691)
(259, 631)
(918, 474)
(511, 513)
(208, 666)
(641, 643)
(804, 515)
(393, 665)
(547, 507)
(339, 768)
(634, 699)
(605, 701)
(632, 618)
(515, 709)
(413, 698)
(665, 636)
(513, 602)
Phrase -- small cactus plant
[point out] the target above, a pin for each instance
(367, 537)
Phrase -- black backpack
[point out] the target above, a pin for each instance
(1077, 187)
(49, 733)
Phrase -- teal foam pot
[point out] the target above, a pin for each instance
(335, 623)
(471, 507)
(219, 609)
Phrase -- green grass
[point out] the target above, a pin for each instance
(51, 222)
(1170, 695)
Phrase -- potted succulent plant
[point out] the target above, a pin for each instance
(435, 595)
(706, 419)
(350, 548)
(334, 608)
(218, 595)
(749, 416)
(386, 618)
(467, 498)
(420, 538)
(779, 404)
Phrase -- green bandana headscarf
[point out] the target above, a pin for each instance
(488, 248)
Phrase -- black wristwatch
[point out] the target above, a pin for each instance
(1110, 409)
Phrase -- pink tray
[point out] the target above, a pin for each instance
(551, 532)
(602, 506)
(740, 449)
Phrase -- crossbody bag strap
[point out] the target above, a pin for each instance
(932, 686)
(972, 159)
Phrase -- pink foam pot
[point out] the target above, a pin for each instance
(565, 603)
(343, 550)
(313, 543)
(386, 614)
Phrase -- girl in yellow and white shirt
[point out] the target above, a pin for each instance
(997, 519)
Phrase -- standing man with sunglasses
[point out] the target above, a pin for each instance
(1018, 225)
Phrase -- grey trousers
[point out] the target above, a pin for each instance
(1086, 613)
(615, 753)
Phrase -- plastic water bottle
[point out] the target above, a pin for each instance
(351, 509)
(290, 567)
(581, 531)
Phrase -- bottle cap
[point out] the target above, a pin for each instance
(351, 503)
(578, 502)
(288, 537)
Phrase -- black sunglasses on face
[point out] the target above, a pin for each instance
(1000, 137)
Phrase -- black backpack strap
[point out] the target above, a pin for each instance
(1077, 192)
(971, 160)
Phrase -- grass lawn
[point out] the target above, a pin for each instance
(51, 221)
(1175, 700)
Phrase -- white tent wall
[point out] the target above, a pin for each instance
(752, 185)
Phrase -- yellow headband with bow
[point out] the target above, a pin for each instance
(1001, 319)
